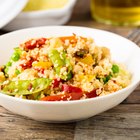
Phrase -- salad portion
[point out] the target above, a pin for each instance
(61, 69)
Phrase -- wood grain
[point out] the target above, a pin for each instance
(134, 98)
(14, 127)
(119, 123)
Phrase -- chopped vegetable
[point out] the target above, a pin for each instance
(2, 77)
(81, 53)
(71, 93)
(71, 89)
(15, 56)
(68, 65)
(56, 82)
(42, 64)
(6, 70)
(27, 64)
(56, 59)
(72, 39)
(61, 69)
(107, 78)
(18, 50)
(59, 61)
(9, 64)
(91, 94)
(17, 72)
(69, 76)
(31, 44)
(55, 43)
(63, 97)
(87, 60)
(25, 87)
(88, 77)
(115, 68)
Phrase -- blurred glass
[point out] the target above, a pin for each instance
(118, 12)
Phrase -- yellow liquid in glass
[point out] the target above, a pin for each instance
(120, 12)
(36, 5)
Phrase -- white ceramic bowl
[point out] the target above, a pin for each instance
(42, 18)
(122, 50)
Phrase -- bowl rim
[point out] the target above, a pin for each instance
(49, 12)
(134, 83)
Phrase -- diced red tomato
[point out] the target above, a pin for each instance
(41, 41)
(91, 94)
(56, 83)
(71, 89)
(27, 64)
(31, 44)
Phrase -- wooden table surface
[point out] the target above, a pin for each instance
(119, 123)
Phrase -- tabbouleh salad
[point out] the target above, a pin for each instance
(62, 69)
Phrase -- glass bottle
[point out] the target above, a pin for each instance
(118, 12)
